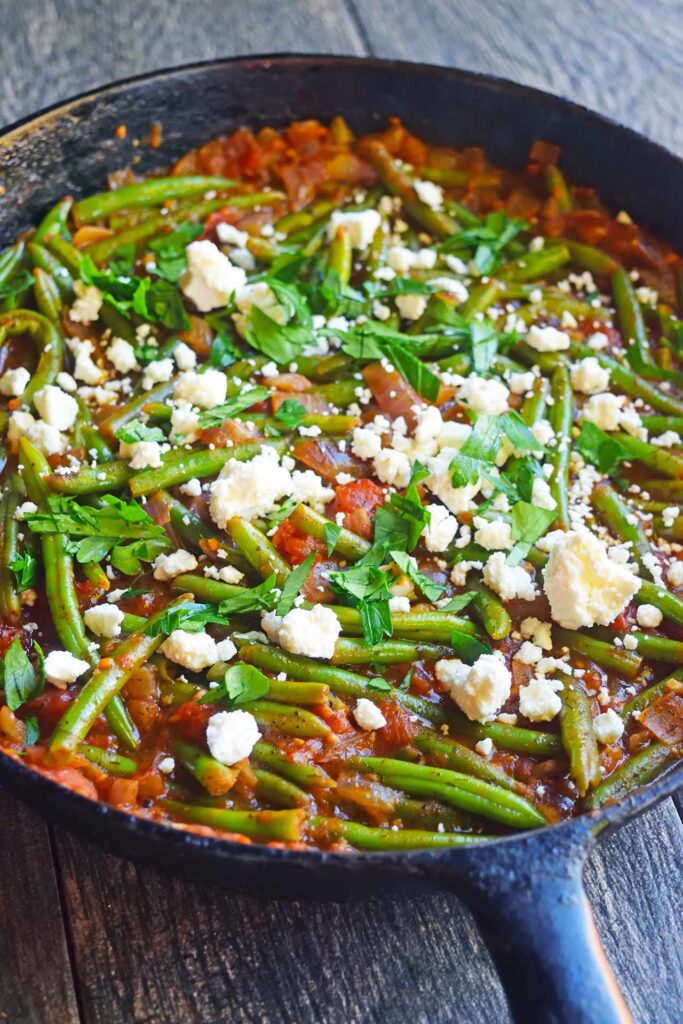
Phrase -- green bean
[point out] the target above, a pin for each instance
(480, 299)
(44, 260)
(588, 257)
(339, 392)
(303, 218)
(47, 339)
(255, 547)
(557, 187)
(418, 625)
(104, 684)
(215, 777)
(622, 522)
(10, 604)
(462, 759)
(67, 254)
(94, 572)
(625, 664)
(669, 604)
(289, 691)
(10, 260)
(348, 545)
(643, 700)
(55, 220)
(213, 591)
(534, 265)
(47, 295)
(309, 776)
(578, 737)
(181, 465)
(456, 789)
(637, 771)
(386, 652)
(629, 382)
(490, 611)
(658, 424)
(340, 256)
(659, 648)
(291, 721)
(121, 724)
(94, 442)
(351, 684)
(113, 763)
(667, 529)
(132, 410)
(147, 193)
(662, 461)
(534, 407)
(561, 417)
(365, 837)
(266, 826)
(631, 321)
(119, 325)
(278, 791)
(667, 490)
(100, 479)
(399, 184)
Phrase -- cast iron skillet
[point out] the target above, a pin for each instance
(525, 891)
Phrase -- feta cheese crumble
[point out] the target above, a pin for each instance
(367, 715)
(232, 735)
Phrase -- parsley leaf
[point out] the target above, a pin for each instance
(283, 344)
(228, 410)
(518, 434)
(484, 341)
(468, 647)
(400, 521)
(293, 585)
(529, 523)
(486, 241)
(239, 685)
(252, 599)
(25, 570)
(456, 604)
(32, 730)
(379, 684)
(331, 534)
(117, 518)
(373, 340)
(19, 677)
(408, 565)
(366, 588)
(137, 431)
(169, 250)
(605, 451)
(190, 617)
(291, 413)
(158, 302)
(477, 453)
(224, 352)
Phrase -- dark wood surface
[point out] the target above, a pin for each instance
(86, 937)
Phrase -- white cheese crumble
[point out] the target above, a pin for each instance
(121, 355)
(441, 529)
(205, 390)
(492, 534)
(184, 356)
(13, 382)
(484, 747)
(538, 701)
(211, 278)
(479, 690)
(399, 603)
(648, 616)
(547, 339)
(411, 307)
(484, 396)
(429, 193)
(365, 443)
(541, 496)
(141, 454)
(46, 439)
(508, 581)
(393, 467)
(360, 224)
(232, 735)
(589, 376)
(520, 383)
(194, 651)
(86, 308)
(56, 408)
(675, 574)
(313, 632)
(608, 727)
(537, 631)
(584, 585)
(167, 567)
(192, 488)
(249, 489)
(104, 620)
(61, 667)
(368, 716)
(157, 372)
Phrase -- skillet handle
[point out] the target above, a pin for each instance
(533, 913)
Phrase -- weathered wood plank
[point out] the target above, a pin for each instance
(36, 983)
(53, 49)
(624, 59)
(209, 955)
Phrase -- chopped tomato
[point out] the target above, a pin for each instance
(358, 501)
(295, 545)
(192, 718)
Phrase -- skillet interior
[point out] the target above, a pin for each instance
(70, 149)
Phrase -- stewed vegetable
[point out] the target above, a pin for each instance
(341, 493)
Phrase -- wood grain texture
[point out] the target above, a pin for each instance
(623, 58)
(35, 973)
(53, 49)
(212, 956)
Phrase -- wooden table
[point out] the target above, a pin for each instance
(87, 937)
